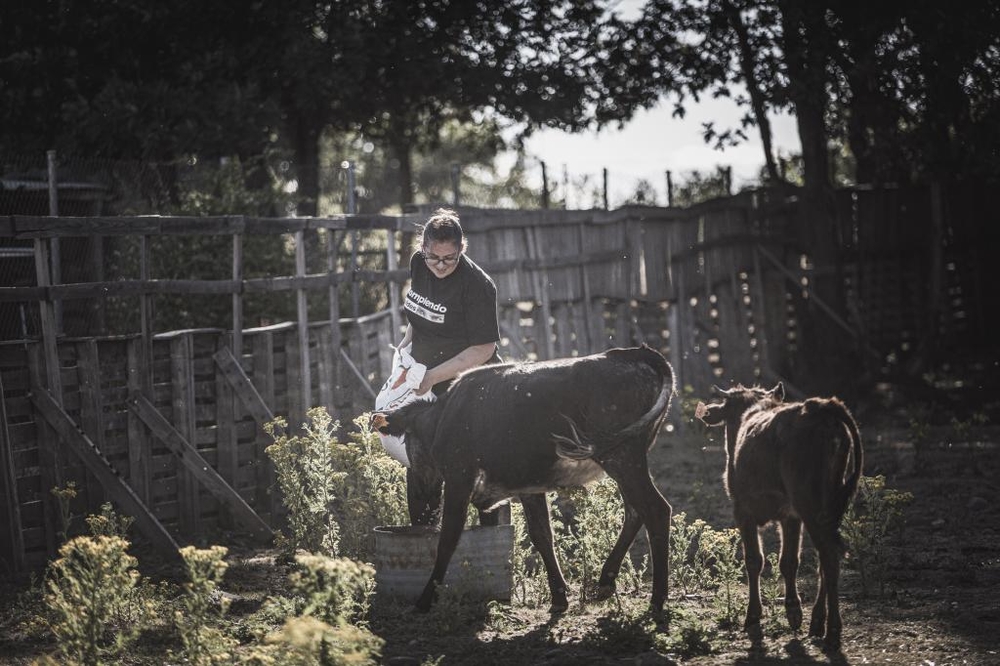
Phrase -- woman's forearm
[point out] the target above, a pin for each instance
(470, 357)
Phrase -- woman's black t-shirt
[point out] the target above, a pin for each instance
(450, 314)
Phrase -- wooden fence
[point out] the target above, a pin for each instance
(168, 424)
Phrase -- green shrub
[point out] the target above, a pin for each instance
(87, 587)
(370, 492)
(308, 641)
(336, 493)
(720, 551)
(203, 642)
(688, 571)
(109, 523)
(306, 475)
(64, 498)
(335, 590)
(871, 522)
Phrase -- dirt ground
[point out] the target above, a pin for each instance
(942, 596)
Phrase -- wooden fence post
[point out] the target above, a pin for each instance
(238, 295)
(336, 340)
(46, 373)
(302, 309)
(391, 264)
(226, 416)
(539, 277)
(182, 391)
(585, 332)
(91, 409)
(140, 452)
(14, 551)
(263, 379)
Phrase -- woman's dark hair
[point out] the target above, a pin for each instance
(443, 227)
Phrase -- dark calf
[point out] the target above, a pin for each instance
(519, 430)
(789, 462)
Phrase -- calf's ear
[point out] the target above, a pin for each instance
(779, 391)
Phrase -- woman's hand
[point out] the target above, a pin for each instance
(426, 384)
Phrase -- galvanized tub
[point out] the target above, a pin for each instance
(479, 569)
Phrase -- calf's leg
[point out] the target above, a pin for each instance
(753, 559)
(423, 495)
(630, 470)
(613, 565)
(536, 515)
(456, 503)
(791, 545)
(829, 558)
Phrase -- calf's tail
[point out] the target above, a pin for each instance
(579, 447)
(851, 482)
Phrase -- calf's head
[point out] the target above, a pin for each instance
(416, 418)
(736, 401)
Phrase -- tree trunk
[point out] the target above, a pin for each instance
(757, 102)
(399, 145)
(307, 165)
(826, 345)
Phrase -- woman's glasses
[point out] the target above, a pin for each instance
(432, 259)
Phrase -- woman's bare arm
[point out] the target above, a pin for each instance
(470, 357)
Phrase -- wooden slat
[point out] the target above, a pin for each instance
(113, 484)
(91, 408)
(139, 449)
(263, 382)
(13, 549)
(225, 419)
(333, 298)
(182, 407)
(242, 386)
(50, 467)
(302, 312)
(199, 467)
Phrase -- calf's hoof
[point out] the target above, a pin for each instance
(560, 603)
(426, 600)
(753, 629)
(793, 612)
(831, 643)
(817, 628)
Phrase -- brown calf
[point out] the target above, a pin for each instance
(788, 462)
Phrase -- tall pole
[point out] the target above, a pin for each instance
(566, 187)
(56, 255)
(545, 187)
(604, 172)
(352, 208)
(670, 188)
(455, 173)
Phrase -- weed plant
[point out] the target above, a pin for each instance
(336, 493)
(307, 476)
(109, 523)
(88, 586)
(337, 591)
(64, 499)
(872, 521)
(328, 625)
(204, 644)
(688, 571)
